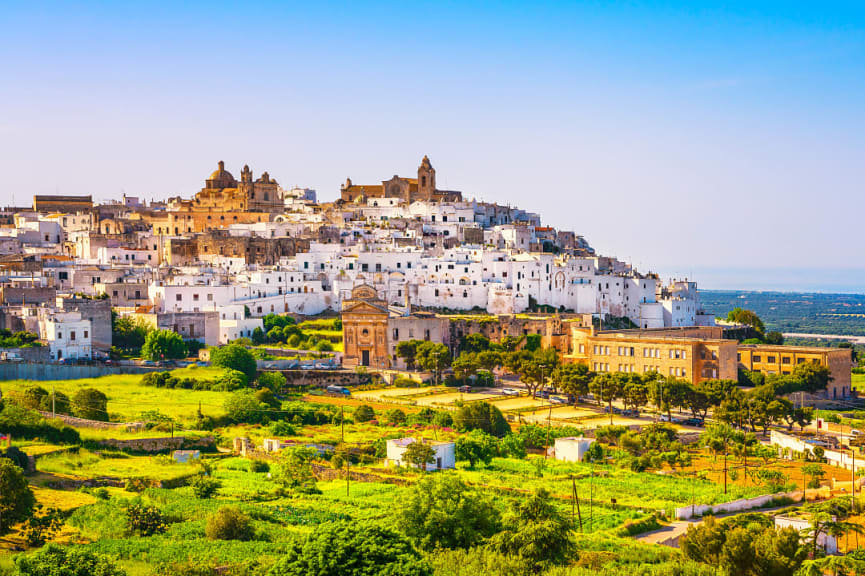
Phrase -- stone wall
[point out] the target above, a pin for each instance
(95, 424)
(324, 378)
(157, 445)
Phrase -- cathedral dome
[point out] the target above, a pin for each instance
(221, 173)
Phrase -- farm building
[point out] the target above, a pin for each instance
(572, 449)
(445, 453)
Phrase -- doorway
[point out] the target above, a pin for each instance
(364, 357)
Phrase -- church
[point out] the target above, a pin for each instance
(222, 192)
(423, 188)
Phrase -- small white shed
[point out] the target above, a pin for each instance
(825, 541)
(572, 448)
(445, 453)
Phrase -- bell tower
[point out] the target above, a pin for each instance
(426, 179)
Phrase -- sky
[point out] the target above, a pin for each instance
(678, 136)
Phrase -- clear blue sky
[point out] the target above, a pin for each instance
(673, 136)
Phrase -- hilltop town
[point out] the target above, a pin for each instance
(406, 380)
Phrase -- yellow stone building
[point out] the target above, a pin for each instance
(783, 359)
(364, 329)
(691, 354)
(410, 190)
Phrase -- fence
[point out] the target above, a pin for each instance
(686, 512)
(42, 372)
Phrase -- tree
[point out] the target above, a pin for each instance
(747, 317)
(703, 542)
(778, 552)
(395, 416)
(419, 454)
(235, 357)
(737, 555)
(635, 392)
(481, 416)
(229, 523)
(536, 531)
(474, 343)
(815, 472)
(295, 470)
(476, 446)
(66, 561)
(90, 404)
(258, 336)
(16, 497)
(163, 345)
(573, 378)
(535, 368)
(242, 407)
(274, 381)
(489, 360)
(441, 511)
(352, 549)
(606, 387)
(407, 350)
(433, 357)
(466, 365)
(775, 338)
(364, 413)
(128, 333)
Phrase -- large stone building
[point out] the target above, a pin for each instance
(768, 359)
(364, 329)
(55, 203)
(423, 188)
(223, 193)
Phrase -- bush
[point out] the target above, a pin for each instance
(364, 413)
(26, 424)
(481, 416)
(145, 520)
(235, 357)
(275, 381)
(229, 523)
(243, 408)
(90, 404)
(16, 497)
(282, 428)
(163, 345)
(230, 380)
(42, 526)
(395, 416)
(204, 487)
(259, 466)
(55, 560)
(352, 549)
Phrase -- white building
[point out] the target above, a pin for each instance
(445, 453)
(67, 335)
(572, 449)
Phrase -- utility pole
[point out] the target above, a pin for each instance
(347, 476)
(342, 423)
(53, 411)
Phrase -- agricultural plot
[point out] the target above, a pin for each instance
(558, 414)
(449, 398)
(86, 464)
(395, 393)
(505, 403)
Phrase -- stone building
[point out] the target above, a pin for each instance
(221, 191)
(423, 188)
(253, 249)
(97, 312)
(364, 329)
(54, 203)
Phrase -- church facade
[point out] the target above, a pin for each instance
(423, 188)
(222, 192)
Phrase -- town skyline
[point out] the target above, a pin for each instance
(580, 107)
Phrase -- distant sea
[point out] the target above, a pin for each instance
(825, 280)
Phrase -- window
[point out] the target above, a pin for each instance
(210, 297)
(195, 297)
(178, 297)
(757, 358)
(72, 335)
(770, 359)
(396, 333)
(86, 334)
(785, 359)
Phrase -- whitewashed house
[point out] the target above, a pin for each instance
(67, 335)
(445, 453)
(572, 449)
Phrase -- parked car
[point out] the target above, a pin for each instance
(341, 390)
(510, 392)
(465, 389)
(615, 410)
(559, 400)
(12, 357)
(698, 422)
(632, 413)
(545, 394)
(665, 418)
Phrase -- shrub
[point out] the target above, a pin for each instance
(352, 549)
(163, 345)
(235, 357)
(282, 428)
(26, 424)
(259, 466)
(481, 416)
(90, 404)
(229, 523)
(204, 487)
(230, 380)
(243, 408)
(16, 497)
(364, 413)
(55, 560)
(395, 416)
(275, 381)
(144, 520)
(41, 526)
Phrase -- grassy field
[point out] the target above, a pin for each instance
(85, 464)
(128, 398)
